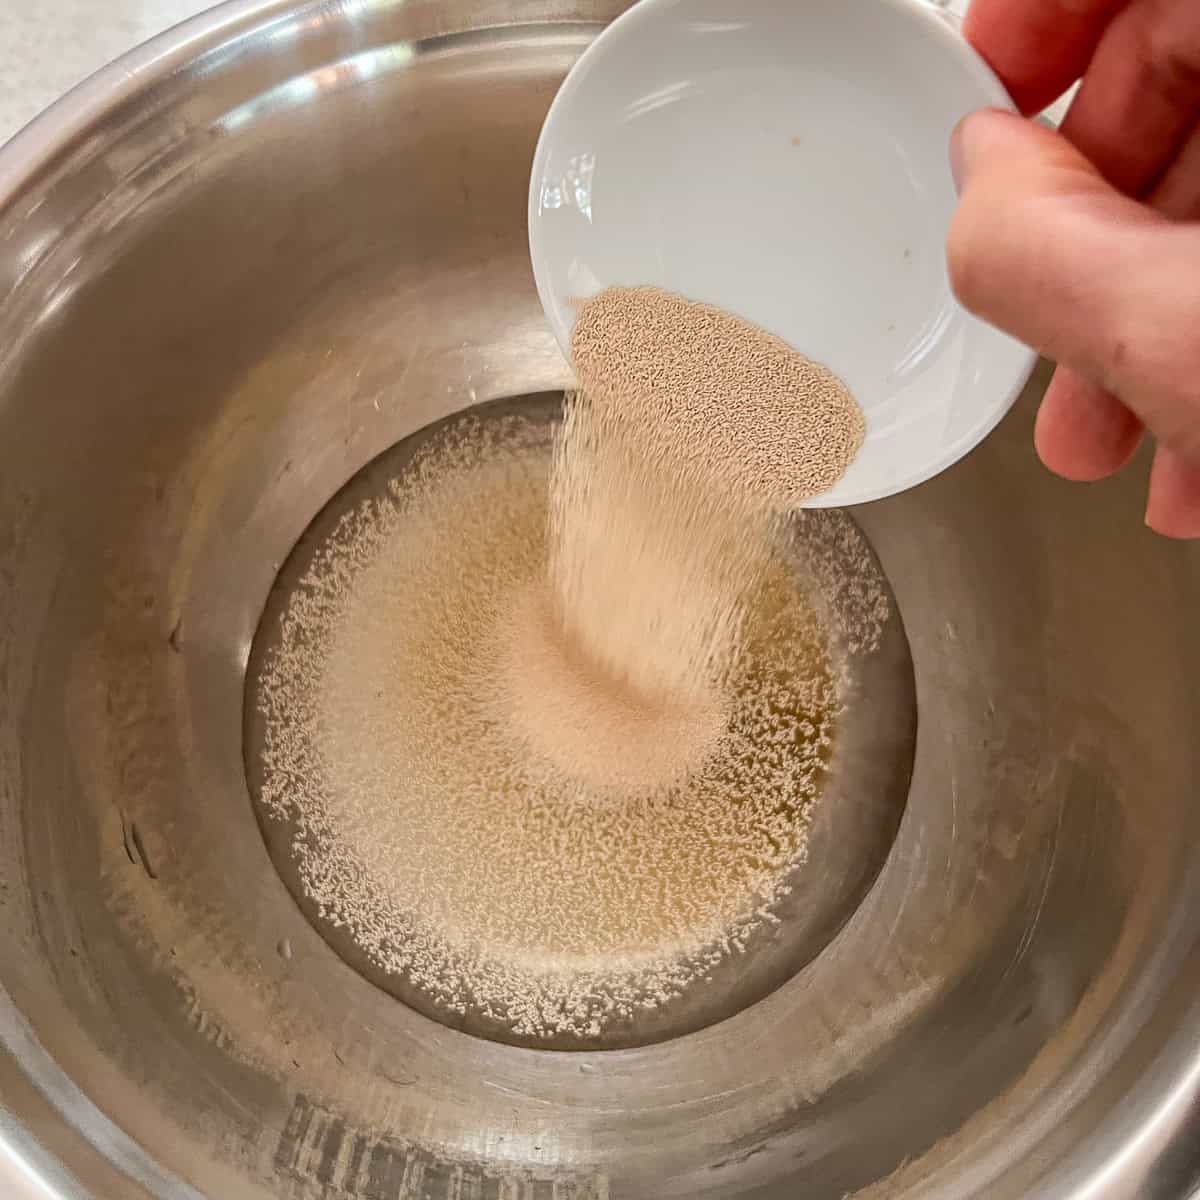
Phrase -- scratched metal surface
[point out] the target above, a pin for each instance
(233, 271)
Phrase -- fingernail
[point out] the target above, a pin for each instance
(958, 162)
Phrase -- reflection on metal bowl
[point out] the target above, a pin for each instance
(235, 269)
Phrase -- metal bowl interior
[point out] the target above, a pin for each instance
(235, 269)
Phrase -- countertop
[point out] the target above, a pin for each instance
(49, 46)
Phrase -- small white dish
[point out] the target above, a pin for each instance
(786, 160)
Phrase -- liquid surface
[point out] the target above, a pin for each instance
(409, 748)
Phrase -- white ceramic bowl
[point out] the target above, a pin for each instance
(787, 161)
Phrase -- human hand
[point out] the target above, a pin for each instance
(1086, 244)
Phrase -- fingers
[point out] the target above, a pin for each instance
(1084, 433)
(1141, 93)
(1173, 506)
(1038, 47)
(1042, 247)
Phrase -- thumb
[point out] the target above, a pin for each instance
(1042, 247)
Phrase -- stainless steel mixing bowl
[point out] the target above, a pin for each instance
(234, 268)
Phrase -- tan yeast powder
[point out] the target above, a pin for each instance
(550, 719)
(448, 843)
(716, 397)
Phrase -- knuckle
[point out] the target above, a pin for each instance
(1181, 434)
(1157, 367)
(1168, 46)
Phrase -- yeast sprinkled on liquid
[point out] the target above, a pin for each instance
(550, 717)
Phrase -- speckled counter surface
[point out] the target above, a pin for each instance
(49, 46)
